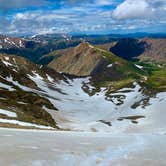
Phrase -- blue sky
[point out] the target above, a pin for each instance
(29, 17)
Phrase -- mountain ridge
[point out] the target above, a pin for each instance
(35, 48)
(85, 60)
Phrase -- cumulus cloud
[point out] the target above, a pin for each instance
(40, 22)
(89, 16)
(133, 9)
(56, 21)
(142, 9)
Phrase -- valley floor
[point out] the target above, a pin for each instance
(61, 148)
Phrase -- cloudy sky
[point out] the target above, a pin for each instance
(28, 17)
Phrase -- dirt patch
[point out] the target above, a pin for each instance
(106, 122)
(134, 119)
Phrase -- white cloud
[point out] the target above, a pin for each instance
(87, 17)
(130, 9)
(140, 9)
(41, 16)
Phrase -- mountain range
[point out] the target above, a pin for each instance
(84, 87)
(36, 47)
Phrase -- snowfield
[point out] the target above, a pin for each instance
(122, 134)
(40, 148)
(81, 112)
(78, 111)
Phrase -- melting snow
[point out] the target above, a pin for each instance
(80, 111)
(50, 78)
(8, 113)
(7, 63)
(140, 67)
(83, 112)
(6, 58)
(2, 85)
(110, 65)
(17, 122)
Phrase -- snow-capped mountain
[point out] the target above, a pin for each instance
(11, 42)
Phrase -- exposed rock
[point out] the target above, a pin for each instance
(85, 60)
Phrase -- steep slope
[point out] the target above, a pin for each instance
(20, 96)
(154, 50)
(86, 59)
(81, 61)
(46, 59)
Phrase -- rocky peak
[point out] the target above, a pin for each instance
(85, 60)
(80, 60)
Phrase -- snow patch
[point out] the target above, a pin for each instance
(110, 65)
(26, 124)
(7, 63)
(2, 85)
(8, 113)
(50, 78)
(138, 66)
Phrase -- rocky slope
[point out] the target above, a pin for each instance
(20, 96)
(154, 50)
(11, 42)
(85, 60)
(81, 60)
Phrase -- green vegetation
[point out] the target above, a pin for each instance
(157, 79)
(121, 74)
(151, 75)
(124, 67)
(156, 75)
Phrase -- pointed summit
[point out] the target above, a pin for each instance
(88, 60)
